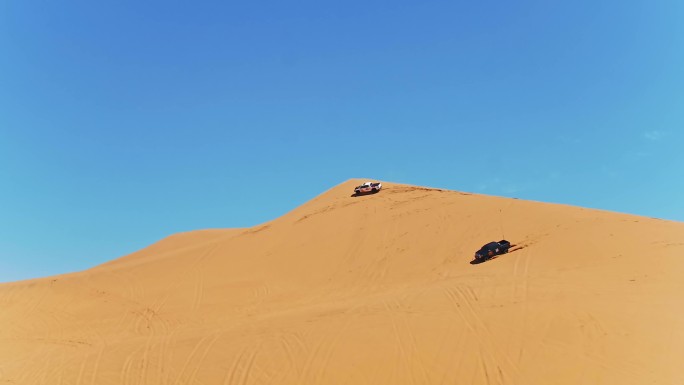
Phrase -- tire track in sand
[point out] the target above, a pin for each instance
(413, 342)
(182, 278)
(198, 291)
(320, 356)
(240, 371)
(461, 300)
(197, 365)
(290, 352)
(330, 349)
(403, 357)
(468, 295)
(524, 298)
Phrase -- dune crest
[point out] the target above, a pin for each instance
(373, 289)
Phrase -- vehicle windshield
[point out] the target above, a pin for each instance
(489, 246)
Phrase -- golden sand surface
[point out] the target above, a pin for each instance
(375, 290)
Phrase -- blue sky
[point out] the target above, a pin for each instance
(124, 122)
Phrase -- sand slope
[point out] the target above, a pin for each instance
(367, 290)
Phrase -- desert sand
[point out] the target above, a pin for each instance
(373, 290)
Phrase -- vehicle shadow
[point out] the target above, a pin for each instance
(354, 195)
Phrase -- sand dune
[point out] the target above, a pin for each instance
(367, 290)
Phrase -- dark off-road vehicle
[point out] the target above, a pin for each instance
(491, 250)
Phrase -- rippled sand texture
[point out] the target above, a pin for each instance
(373, 290)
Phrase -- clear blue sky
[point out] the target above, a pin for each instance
(122, 122)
